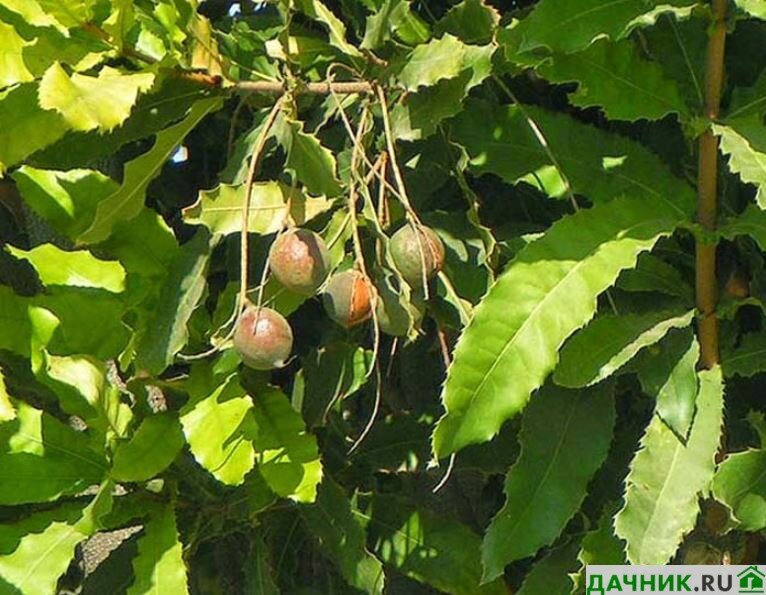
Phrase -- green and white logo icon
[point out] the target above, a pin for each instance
(751, 580)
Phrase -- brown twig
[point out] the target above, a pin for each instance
(707, 193)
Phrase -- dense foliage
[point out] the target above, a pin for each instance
(556, 362)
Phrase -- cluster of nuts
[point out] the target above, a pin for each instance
(300, 261)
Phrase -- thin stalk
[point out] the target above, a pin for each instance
(707, 193)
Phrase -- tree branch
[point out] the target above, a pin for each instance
(707, 192)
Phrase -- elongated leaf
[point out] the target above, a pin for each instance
(744, 140)
(551, 575)
(7, 411)
(740, 484)
(78, 268)
(88, 102)
(565, 437)
(37, 550)
(13, 70)
(342, 536)
(419, 114)
(212, 424)
(395, 18)
(748, 359)
(653, 274)
(67, 200)
(617, 78)
(431, 549)
(336, 28)
(751, 222)
(166, 331)
(547, 293)
(41, 458)
(220, 209)
(574, 25)
(599, 546)
(26, 126)
(126, 202)
(82, 389)
(473, 21)
(258, 572)
(153, 447)
(598, 165)
(288, 456)
(159, 567)
(432, 62)
(611, 341)
(314, 164)
(667, 476)
(669, 374)
(754, 8)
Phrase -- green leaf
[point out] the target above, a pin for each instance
(654, 274)
(394, 18)
(565, 437)
(77, 268)
(88, 102)
(551, 574)
(747, 101)
(547, 293)
(313, 164)
(26, 127)
(7, 411)
(601, 545)
(82, 389)
(220, 209)
(669, 374)
(744, 141)
(615, 76)
(66, 200)
(431, 549)
(212, 423)
(472, 21)
(752, 222)
(599, 165)
(36, 551)
(342, 536)
(432, 62)
(747, 359)
(336, 28)
(288, 456)
(166, 330)
(126, 203)
(14, 318)
(152, 449)
(13, 70)
(70, 13)
(755, 8)
(667, 476)
(258, 572)
(574, 25)
(159, 566)
(42, 459)
(419, 114)
(610, 342)
(740, 484)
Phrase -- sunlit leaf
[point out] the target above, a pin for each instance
(667, 476)
(159, 566)
(288, 457)
(152, 448)
(88, 102)
(432, 62)
(126, 203)
(547, 293)
(744, 141)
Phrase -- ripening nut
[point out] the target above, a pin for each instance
(300, 261)
(412, 249)
(263, 338)
(348, 298)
